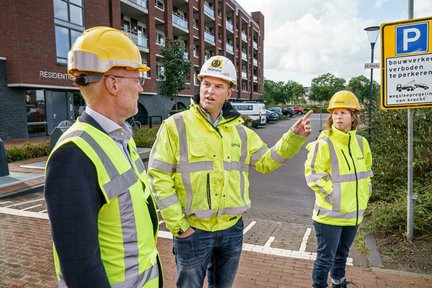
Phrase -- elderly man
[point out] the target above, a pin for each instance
(103, 218)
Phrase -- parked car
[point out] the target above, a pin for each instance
(254, 110)
(288, 111)
(271, 116)
(298, 110)
(277, 110)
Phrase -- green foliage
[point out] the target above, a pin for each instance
(27, 150)
(360, 86)
(387, 212)
(324, 86)
(176, 69)
(145, 137)
(280, 92)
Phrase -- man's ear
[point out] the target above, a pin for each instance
(229, 94)
(111, 84)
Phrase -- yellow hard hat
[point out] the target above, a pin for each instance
(101, 48)
(344, 99)
(219, 67)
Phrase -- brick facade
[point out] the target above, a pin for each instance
(30, 55)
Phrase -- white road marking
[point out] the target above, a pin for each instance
(31, 207)
(251, 224)
(305, 239)
(168, 235)
(26, 202)
(269, 241)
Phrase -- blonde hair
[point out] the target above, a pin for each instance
(355, 117)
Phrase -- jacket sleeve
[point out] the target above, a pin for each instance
(317, 168)
(161, 169)
(73, 200)
(265, 160)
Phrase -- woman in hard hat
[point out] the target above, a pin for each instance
(338, 170)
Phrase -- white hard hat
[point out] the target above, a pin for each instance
(219, 67)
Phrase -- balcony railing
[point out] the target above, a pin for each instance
(229, 48)
(210, 38)
(255, 78)
(142, 3)
(141, 41)
(229, 26)
(244, 75)
(180, 22)
(244, 37)
(255, 45)
(209, 11)
(255, 62)
(244, 56)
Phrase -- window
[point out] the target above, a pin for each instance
(160, 4)
(160, 38)
(36, 116)
(160, 72)
(69, 24)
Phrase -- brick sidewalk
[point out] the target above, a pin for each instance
(26, 261)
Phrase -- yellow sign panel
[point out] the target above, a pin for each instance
(406, 64)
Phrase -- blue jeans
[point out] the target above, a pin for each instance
(334, 243)
(218, 253)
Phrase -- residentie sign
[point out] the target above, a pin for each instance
(406, 64)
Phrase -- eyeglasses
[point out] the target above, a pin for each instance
(140, 80)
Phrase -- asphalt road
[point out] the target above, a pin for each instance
(283, 195)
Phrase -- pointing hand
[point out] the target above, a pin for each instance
(302, 126)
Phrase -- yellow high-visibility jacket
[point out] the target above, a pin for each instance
(199, 173)
(126, 234)
(338, 169)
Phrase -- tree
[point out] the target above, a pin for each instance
(324, 86)
(280, 92)
(176, 69)
(295, 91)
(360, 86)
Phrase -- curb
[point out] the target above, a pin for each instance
(25, 191)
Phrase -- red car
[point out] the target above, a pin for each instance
(298, 110)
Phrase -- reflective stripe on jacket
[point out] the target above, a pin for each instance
(200, 173)
(127, 236)
(338, 169)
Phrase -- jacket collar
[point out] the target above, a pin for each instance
(338, 135)
(228, 110)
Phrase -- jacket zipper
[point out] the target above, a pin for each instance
(208, 191)
(355, 173)
(346, 160)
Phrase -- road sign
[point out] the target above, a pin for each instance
(372, 65)
(406, 64)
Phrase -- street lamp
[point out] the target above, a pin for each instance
(372, 33)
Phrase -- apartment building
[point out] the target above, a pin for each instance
(36, 94)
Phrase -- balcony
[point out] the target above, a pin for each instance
(186, 55)
(244, 75)
(229, 48)
(229, 26)
(244, 37)
(208, 37)
(255, 62)
(255, 78)
(179, 22)
(141, 41)
(244, 56)
(209, 11)
(255, 45)
(142, 3)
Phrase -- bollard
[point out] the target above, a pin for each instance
(4, 168)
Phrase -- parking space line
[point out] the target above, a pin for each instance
(269, 241)
(26, 202)
(305, 239)
(16, 212)
(31, 207)
(251, 224)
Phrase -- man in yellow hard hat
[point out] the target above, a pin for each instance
(103, 219)
(199, 168)
(338, 170)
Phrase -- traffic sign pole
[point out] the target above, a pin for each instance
(410, 194)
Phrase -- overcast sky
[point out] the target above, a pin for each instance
(306, 38)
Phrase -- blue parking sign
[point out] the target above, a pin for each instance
(412, 38)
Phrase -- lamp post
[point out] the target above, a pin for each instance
(372, 33)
